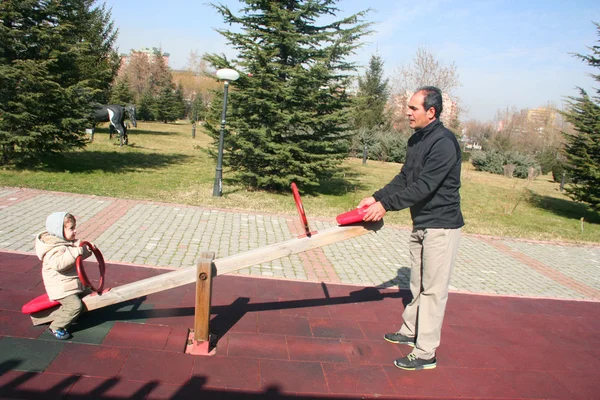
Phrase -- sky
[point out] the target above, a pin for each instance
(508, 54)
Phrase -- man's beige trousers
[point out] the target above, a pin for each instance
(432, 255)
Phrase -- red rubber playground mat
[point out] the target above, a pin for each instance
(291, 339)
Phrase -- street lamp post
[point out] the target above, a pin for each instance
(226, 75)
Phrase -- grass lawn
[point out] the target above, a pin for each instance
(163, 163)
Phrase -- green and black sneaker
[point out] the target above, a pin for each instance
(414, 363)
(399, 339)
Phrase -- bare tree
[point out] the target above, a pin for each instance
(137, 73)
(195, 64)
(146, 73)
(478, 134)
(512, 130)
(160, 74)
(551, 126)
(198, 84)
(425, 70)
(528, 130)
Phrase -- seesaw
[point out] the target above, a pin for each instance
(207, 267)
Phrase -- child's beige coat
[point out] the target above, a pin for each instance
(58, 264)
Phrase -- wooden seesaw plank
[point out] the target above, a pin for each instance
(229, 264)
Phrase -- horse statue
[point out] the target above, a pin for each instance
(131, 113)
(115, 114)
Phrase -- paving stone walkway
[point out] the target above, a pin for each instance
(311, 328)
(171, 235)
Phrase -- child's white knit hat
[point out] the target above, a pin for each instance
(55, 224)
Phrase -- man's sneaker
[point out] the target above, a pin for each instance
(413, 363)
(399, 338)
(60, 333)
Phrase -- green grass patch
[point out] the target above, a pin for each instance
(163, 163)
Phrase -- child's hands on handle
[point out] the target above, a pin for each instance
(90, 248)
(86, 251)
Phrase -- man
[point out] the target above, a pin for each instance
(428, 183)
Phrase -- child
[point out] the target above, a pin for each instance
(58, 249)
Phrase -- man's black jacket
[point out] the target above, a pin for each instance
(429, 181)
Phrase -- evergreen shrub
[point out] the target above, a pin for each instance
(494, 161)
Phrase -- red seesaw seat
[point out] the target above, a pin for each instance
(38, 304)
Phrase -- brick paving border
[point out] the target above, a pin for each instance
(95, 226)
(545, 270)
(16, 197)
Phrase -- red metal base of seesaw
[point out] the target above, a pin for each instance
(200, 347)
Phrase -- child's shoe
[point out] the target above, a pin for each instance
(60, 333)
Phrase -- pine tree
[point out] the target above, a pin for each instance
(179, 103)
(52, 68)
(582, 150)
(96, 59)
(370, 115)
(121, 93)
(289, 117)
(160, 74)
(167, 106)
(198, 109)
(146, 107)
(372, 96)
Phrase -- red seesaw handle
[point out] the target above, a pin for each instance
(101, 265)
(300, 208)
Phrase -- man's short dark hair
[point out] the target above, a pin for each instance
(433, 98)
